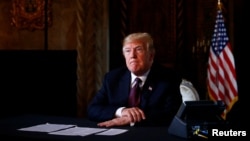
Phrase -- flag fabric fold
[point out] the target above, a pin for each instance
(221, 73)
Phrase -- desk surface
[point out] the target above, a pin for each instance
(9, 126)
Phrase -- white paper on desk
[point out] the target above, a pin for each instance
(112, 132)
(78, 131)
(47, 127)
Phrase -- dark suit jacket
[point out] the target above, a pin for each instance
(160, 99)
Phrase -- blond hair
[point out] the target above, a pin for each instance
(143, 37)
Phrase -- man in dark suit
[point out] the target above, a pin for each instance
(159, 99)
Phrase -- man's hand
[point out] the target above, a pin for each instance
(129, 116)
(119, 121)
(135, 114)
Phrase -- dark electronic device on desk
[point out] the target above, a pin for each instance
(195, 118)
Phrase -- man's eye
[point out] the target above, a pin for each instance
(139, 49)
(127, 50)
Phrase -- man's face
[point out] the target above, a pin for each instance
(138, 58)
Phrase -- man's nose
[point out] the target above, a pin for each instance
(133, 53)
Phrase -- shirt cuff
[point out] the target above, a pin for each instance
(118, 112)
(132, 124)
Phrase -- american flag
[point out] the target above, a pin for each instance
(221, 74)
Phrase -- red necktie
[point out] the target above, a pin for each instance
(134, 96)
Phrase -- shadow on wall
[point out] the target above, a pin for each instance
(38, 82)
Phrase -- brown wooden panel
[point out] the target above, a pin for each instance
(159, 19)
(155, 17)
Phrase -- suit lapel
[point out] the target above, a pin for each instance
(125, 85)
(147, 89)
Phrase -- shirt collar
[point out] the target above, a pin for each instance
(142, 77)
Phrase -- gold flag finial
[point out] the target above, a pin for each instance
(219, 5)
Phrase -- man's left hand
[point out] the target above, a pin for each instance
(119, 121)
